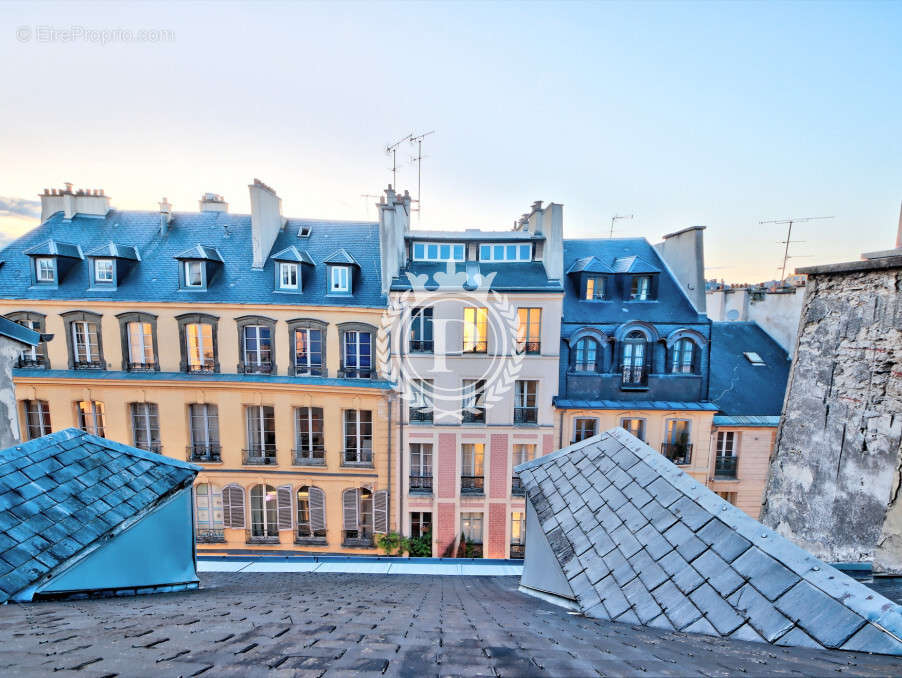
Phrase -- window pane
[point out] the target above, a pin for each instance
(525, 252)
(458, 252)
(485, 252)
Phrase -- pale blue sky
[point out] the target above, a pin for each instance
(721, 114)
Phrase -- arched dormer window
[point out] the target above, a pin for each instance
(684, 352)
(634, 359)
(586, 355)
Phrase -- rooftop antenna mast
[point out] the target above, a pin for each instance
(790, 221)
(418, 140)
(617, 217)
(393, 150)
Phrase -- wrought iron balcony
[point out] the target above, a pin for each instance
(204, 367)
(678, 453)
(318, 538)
(476, 346)
(517, 488)
(262, 535)
(152, 446)
(633, 376)
(88, 365)
(526, 415)
(518, 551)
(472, 484)
(141, 367)
(303, 370)
(204, 453)
(357, 373)
(529, 347)
(255, 368)
(421, 345)
(421, 484)
(725, 466)
(259, 455)
(473, 417)
(210, 535)
(365, 541)
(309, 456)
(31, 361)
(420, 414)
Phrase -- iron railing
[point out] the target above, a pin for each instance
(204, 453)
(262, 535)
(477, 347)
(141, 367)
(472, 484)
(634, 375)
(315, 456)
(210, 535)
(473, 417)
(301, 370)
(259, 455)
(526, 415)
(678, 453)
(518, 551)
(31, 361)
(365, 541)
(88, 365)
(420, 414)
(421, 345)
(152, 446)
(357, 373)
(517, 487)
(529, 347)
(255, 368)
(725, 466)
(421, 484)
(204, 367)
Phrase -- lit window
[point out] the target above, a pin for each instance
(594, 289)
(140, 345)
(677, 446)
(475, 330)
(90, 417)
(199, 346)
(358, 437)
(634, 426)
(341, 279)
(37, 418)
(308, 352)
(472, 469)
(431, 251)
(46, 270)
(103, 270)
(194, 274)
(529, 330)
(584, 428)
(505, 252)
(288, 276)
(641, 288)
(471, 527)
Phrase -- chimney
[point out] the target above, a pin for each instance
(394, 224)
(684, 253)
(165, 215)
(212, 202)
(88, 202)
(548, 221)
(266, 220)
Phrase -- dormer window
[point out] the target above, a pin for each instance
(194, 274)
(45, 269)
(594, 289)
(505, 252)
(199, 266)
(641, 288)
(103, 270)
(288, 275)
(341, 279)
(434, 251)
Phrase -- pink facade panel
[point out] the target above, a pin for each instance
(498, 465)
(447, 465)
(497, 539)
(548, 444)
(446, 528)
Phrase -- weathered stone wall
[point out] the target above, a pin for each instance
(9, 420)
(834, 480)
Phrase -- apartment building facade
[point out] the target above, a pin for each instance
(242, 343)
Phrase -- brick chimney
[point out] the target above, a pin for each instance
(84, 201)
(266, 220)
(212, 202)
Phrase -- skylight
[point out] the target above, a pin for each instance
(754, 358)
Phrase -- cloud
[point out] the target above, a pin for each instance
(19, 207)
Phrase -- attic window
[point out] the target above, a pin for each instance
(194, 274)
(46, 269)
(304, 231)
(754, 358)
(505, 252)
(288, 275)
(103, 270)
(435, 251)
(341, 279)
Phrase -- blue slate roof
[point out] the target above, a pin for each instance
(115, 251)
(572, 404)
(55, 248)
(589, 265)
(751, 420)
(64, 493)
(201, 252)
(527, 276)
(633, 264)
(739, 387)
(18, 332)
(155, 277)
(293, 254)
(340, 256)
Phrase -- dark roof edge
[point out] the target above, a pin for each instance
(880, 264)
(684, 230)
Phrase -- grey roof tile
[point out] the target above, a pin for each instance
(701, 625)
(761, 613)
(637, 496)
(716, 609)
(824, 619)
(663, 492)
(690, 514)
(869, 639)
(798, 638)
(717, 573)
(649, 571)
(653, 542)
(767, 575)
(726, 543)
(746, 632)
(627, 544)
(631, 517)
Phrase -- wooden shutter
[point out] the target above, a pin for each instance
(380, 512)
(317, 503)
(349, 499)
(233, 506)
(284, 506)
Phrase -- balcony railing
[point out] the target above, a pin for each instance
(474, 550)
(88, 365)
(31, 361)
(678, 453)
(262, 535)
(152, 446)
(302, 370)
(471, 417)
(421, 484)
(634, 375)
(204, 367)
(255, 368)
(204, 453)
(526, 415)
(517, 488)
(365, 541)
(259, 455)
(518, 551)
(472, 484)
(210, 535)
(309, 456)
(477, 347)
(420, 414)
(357, 373)
(317, 538)
(725, 466)
(141, 367)
(529, 347)
(421, 345)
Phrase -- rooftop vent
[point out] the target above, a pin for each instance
(304, 230)
(754, 358)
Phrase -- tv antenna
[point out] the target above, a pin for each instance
(418, 140)
(393, 150)
(618, 217)
(790, 221)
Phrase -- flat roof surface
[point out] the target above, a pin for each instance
(316, 624)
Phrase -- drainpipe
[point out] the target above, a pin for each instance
(560, 432)
(401, 435)
(388, 497)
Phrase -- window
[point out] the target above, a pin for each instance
(358, 437)
(199, 347)
(471, 527)
(421, 467)
(359, 507)
(357, 354)
(584, 427)
(586, 355)
(146, 426)
(635, 427)
(308, 351)
(264, 512)
(434, 251)
(729, 497)
(37, 418)
(420, 524)
(754, 358)
(90, 417)
(522, 454)
(204, 424)
(473, 405)
(85, 345)
(420, 400)
(641, 288)
(194, 274)
(529, 330)
(309, 443)
(634, 350)
(676, 446)
(525, 409)
(725, 461)
(594, 289)
(341, 279)
(472, 478)
(311, 502)
(505, 252)
(233, 506)
(103, 270)
(257, 347)
(139, 336)
(31, 356)
(421, 330)
(288, 275)
(518, 534)
(261, 435)
(475, 330)
(45, 270)
(208, 514)
(682, 357)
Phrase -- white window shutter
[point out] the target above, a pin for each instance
(284, 506)
(317, 509)
(349, 499)
(216, 505)
(233, 506)
(380, 512)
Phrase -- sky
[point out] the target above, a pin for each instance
(721, 114)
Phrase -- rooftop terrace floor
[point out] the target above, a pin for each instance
(314, 624)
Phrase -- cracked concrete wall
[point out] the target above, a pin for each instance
(9, 419)
(833, 485)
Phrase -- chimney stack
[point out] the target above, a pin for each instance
(89, 202)
(394, 224)
(266, 220)
(165, 215)
(212, 202)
